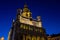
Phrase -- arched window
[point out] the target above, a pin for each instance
(28, 37)
(33, 38)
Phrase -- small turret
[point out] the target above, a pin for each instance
(39, 21)
(38, 18)
(19, 11)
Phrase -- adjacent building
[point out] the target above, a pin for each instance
(54, 37)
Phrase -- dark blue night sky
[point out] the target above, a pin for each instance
(49, 10)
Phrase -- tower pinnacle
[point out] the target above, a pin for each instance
(25, 6)
(25, 9)
(26, 12)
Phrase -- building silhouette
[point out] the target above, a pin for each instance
(24, 27)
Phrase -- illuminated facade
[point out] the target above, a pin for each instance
(26, 28)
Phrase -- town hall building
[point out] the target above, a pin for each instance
(24, 27)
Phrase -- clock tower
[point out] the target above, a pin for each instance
(25, 27)
(26, 12)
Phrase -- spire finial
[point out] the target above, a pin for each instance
(25, 5)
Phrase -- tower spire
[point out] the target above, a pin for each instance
(25, 9)
(26, 12)
(25, 5)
